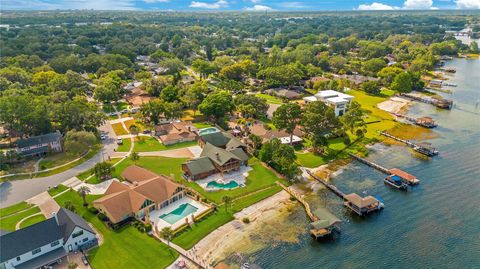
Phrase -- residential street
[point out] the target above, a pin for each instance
(12, 192)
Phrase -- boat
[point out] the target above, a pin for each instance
(396, 182)
(245, 266)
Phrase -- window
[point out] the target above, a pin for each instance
(54, 243)
(18, 258)
(77, 234)
(85, 239)
(36, 251)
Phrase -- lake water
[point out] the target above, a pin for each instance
(435, 225)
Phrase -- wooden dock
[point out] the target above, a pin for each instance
(421, 148)
(331, 187)
(440, 103)
(409, 179)
(299, 198)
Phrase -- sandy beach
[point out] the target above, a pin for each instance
(234, 236)
(394, 104)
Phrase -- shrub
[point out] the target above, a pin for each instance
(347, 141)
(93, 210)
(246, 220)
(102, 217)
(148, 227)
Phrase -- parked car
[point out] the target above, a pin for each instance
(146, 131)
(124, 111)
(84, 260)
(119, 141)
(103, 137)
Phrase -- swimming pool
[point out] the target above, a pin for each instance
(209, 130)
(179, 213)
(230, 185)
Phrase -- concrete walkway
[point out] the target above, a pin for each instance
(17, 226)
(189, 255)
(96, 189)
(122, 120)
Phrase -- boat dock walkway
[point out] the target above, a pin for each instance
(440, 103)
(334, 189)
(370, 163)
(421, 148)
(299, 198)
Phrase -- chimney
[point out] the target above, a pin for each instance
(54, 214)
(217, 155)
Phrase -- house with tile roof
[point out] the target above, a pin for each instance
(47, 242)
(123, 202)
(176, 132)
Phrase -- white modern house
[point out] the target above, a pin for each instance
(337, 100)
(47, 242)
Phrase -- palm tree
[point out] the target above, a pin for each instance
(83, 191)
(69, 205)
(227, 200)
(103, 170)
(167, 234)
(134, 129)
(134, 157)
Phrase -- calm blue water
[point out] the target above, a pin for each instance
(436, 225)
(179, 213)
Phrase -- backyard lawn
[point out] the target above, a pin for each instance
(159, 165)
(118, 129)
(9, 222)
(125, 146)
(138, 250)
(201, 125)
(152, 144)
(270, 99)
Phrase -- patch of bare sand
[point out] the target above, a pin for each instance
(394, 104)
(238, 237)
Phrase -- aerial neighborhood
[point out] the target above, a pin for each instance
(176, 140)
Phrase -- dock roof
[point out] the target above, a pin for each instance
(404, 175)
(361, 202)
(326, 219)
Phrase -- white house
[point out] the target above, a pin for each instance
(47, 242)
(337, 100)
(40, 145)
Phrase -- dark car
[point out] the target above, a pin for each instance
(84, 260)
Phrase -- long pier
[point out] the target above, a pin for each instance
(334, 189)
(299, 198)
(424, 149)
(440, 103)
(371, 164)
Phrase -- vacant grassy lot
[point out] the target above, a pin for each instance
(136, 249)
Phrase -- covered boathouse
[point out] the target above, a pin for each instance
(362, 205)
(326, 224)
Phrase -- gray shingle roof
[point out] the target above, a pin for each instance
(27, 239)
(41, 139)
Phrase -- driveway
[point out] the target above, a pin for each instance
(15, 191)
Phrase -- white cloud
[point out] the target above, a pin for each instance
(292, 5)
(468, 4)
(155, 1)
(215, 5)
(376, 6)
(258, 8)
(255, 1)
(418, 4)
(68, 4)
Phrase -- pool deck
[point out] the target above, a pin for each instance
(160, 223)
(237, 176)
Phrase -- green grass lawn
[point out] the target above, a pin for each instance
(56, 159)
(56, 190)
(14, 208)
(152, 144)
(136, 249)
(118, 129)
(159, 165)
(270, 99)
(201, 125)
(9, 222)
(121, 106)
(125, 146)
(32, 220)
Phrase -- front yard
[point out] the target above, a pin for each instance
(9, 222)
(148, 143)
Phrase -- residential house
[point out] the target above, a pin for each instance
(222, 140)
(356, 79)
(137, 97)
(176, 132)
(47, 242)
(337, 100)
(40, 145)
(259, 130)
(214, 160)
(135, 174)
(123, 202)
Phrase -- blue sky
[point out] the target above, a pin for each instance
(247, 5)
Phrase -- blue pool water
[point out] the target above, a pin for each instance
(179, 213)
(230, 185)
(209, 130)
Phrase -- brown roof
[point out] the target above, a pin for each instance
(176, 131)
(135, 173)
(425, 119)
(402, 174)
(259, 129)
(138, 97)
(122, 200)
(316, 79)
(360, 202)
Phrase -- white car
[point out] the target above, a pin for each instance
(119, 141)
(103, 137)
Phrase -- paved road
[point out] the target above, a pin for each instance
(12, 192)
